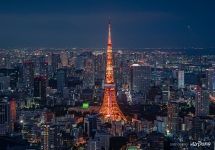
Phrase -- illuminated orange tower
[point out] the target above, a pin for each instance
(110, 110)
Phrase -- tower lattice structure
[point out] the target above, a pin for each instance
(110, 110)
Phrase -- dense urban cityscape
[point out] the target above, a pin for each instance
(69, 99)
(107, 98)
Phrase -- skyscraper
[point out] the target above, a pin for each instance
(61, 77)
(201, 101)
(4, 117)
(64, 59)
(28, 74)
(88, 74)
(45, 145)
(90, 126)
(40, 87)
(12, 112)
(140, 78)
(172, 115)
(110, 109)
(41, 66)
(55, 61)
(180, 79)
(99, 62)
(4, 82)
(210, 74)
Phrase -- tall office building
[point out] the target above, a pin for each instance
(61, 80)
(64, 59)
(180, 79)
(90, 126)
(88, 76)
(210, 75)
(50, 133)
(197, 129)
(12, 113)
(118, 70)
(172, 117)
(55, 61)
(40, 87)
(45, 145)
(4, 117)
(12, 110)
(79, 62)
(155, 141)
(104, 139)
(28, 74)
(47, 138)
(201, 101)
(4, 82)
(41, 65)
(101, 141)
(125, 73)
(165, 92)
(140, 78)
(99, 63)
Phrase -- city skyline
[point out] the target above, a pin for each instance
(57, 92)
(136, 25)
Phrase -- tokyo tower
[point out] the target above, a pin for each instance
(110, 110)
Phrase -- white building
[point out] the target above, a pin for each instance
(180, 79)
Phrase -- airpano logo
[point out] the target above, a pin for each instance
(200, 144)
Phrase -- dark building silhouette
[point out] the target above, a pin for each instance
(40, 87)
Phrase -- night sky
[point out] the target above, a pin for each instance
(83, 23)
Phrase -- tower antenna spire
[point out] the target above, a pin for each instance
(109, 32)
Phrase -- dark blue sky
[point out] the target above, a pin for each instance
(83, 23)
